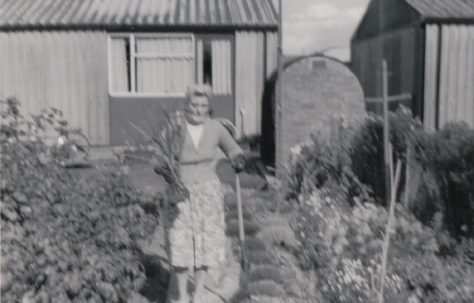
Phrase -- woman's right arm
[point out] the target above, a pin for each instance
(232, 150)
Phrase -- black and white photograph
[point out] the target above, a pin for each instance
(237, 151)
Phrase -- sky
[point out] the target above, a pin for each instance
(315, 25)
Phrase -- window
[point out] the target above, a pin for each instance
(214, 64)
(207, 62)
(151, 64)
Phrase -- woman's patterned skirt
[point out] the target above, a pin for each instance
(196, 234)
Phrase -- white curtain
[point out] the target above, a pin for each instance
(221, 67)
(119, 65)
(200, 62)
(164, 65)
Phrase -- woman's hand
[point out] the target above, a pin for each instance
(238, 163)
(162, 168)
(175, 194)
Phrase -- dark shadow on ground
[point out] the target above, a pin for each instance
(157, 278)
(252, 177)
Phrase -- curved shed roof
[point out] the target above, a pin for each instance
(109, 14)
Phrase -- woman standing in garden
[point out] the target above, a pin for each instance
(197, 235)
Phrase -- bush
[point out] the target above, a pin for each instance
(250, 228)
(324, 163)
(64, 239)
(260, 258)
(448, 156)
(253, 243)
(344, 247)
(366, 148)
(266, 288)
(441, 168)
(266, 272)
(233, 214)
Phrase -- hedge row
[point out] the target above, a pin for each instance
(440, 164)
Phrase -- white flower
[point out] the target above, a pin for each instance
(61, 141)
(295, 150)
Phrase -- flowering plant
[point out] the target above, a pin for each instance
(343, 244)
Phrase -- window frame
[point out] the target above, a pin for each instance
(210, 37)
(133, 56)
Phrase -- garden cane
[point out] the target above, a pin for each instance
(243, 259)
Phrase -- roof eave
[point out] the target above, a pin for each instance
(139, 27)
(448, 20)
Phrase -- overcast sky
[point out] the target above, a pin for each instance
(314, 25)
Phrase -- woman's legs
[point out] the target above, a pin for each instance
(198, 283)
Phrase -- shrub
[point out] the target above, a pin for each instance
(64, 239)
(366, 148)
(344, 246)
(253, 243)
(250, 228)
(233, 214)
(266, 272)
(441, 168)
(280, 235)
(266, 288)
(324, 163)
(260, 258)
(248, 179)
(449, 156)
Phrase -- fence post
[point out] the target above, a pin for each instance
(407, 175)
(386, 133)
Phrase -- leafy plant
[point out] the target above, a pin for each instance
(64, 239)
(343, 245)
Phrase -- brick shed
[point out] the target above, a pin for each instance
(315, 89)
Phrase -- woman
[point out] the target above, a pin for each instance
(197, 235)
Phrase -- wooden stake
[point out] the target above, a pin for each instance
(243, 258)
(388, 230)
(386, 133)
(279, 106)
(407, 176)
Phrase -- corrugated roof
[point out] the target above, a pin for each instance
(138, 13)
(455, 9)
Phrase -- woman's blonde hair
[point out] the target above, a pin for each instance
(199, 90)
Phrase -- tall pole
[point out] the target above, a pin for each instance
(386, 134)
(279, 105)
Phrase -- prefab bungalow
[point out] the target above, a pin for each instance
(429, 49)
(109, 63)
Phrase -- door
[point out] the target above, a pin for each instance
(215, 66)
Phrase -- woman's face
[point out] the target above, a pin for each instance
(197, 109)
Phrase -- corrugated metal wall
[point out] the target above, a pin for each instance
(398, 49)
(452, 99)
(255, 60)
(66, 70)
(431, 75)
(271, 52)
